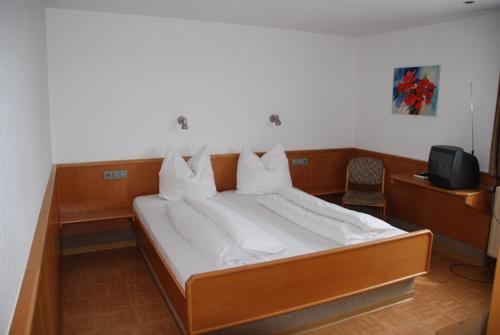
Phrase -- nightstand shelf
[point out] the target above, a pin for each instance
(97, 215)
(89, 231)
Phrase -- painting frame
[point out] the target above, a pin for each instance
(415, 90)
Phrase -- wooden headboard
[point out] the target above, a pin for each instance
(81, 186)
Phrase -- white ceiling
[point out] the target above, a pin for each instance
(340, 17)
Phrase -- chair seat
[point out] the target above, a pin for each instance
(364, 198)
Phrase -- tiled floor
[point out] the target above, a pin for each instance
(112, 292)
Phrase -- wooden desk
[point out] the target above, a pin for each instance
(462, 215)
(476, 198)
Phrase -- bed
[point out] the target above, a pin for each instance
(314, 271)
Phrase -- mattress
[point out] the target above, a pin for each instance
(183, 259)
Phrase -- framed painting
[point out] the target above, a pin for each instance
(415, 90)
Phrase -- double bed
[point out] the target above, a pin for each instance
(313, 271)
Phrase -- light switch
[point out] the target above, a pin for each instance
(115, 174)
(300, 161)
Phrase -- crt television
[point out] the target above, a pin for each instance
(453, 168)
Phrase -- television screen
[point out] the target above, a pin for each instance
(453, 168)
(441, 163)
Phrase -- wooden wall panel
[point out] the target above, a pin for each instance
(224, 167)
(38, 306)
(326, 169)
(82, 188)
(494, 316)
(50, 284)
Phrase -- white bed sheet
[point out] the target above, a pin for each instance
(182, 259)
(185, 261)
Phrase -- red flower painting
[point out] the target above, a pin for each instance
(413, 92)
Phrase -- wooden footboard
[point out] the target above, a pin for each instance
(225, 298)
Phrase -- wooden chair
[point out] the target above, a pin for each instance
(363, 173)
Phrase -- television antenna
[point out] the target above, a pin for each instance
(472, 117)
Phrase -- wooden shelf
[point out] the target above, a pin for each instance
(476, 198)
(97, 215)
(410, 179)
(323, 190)
(98, 247)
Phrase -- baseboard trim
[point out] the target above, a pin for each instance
(457, 255)
(446, 245)
(349, 315)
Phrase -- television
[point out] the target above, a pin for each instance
(452, 168)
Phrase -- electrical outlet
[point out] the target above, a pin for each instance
(115, 174)
(300, 161)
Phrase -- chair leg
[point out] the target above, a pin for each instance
(383, 212)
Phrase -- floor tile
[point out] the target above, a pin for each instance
(113, 292)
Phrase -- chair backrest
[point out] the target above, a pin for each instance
(365, 171)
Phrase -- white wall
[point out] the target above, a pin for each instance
(118, 83)
(468, 51)
(25, 156)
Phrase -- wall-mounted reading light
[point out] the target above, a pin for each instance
(275, 119)
(183, 121)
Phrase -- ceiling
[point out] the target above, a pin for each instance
(354, 18)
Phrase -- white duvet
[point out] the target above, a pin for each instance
(325, 219)
(243, 232)
(206, 237)
(317, 205)
(226, 238)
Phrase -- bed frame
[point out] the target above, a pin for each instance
(225, 298)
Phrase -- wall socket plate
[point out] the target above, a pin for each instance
(115, 174)
(300, 161)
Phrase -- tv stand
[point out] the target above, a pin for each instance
(476, 198)
(463, 215)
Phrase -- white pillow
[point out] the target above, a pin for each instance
(263, 175)
(192, 178)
